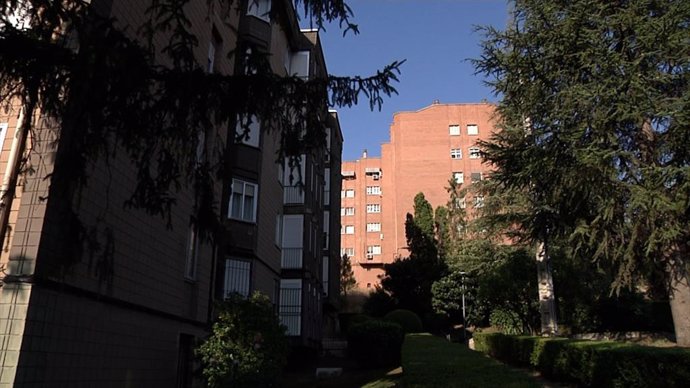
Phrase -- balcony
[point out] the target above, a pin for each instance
(291, 258)
(293, 195)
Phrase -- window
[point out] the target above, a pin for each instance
(347, 211)
(348, 229)
(192, 253)
(456, 153)
(347, 251)
(479, 201)
(349, 193)
(237, 276)
(373, 190)
(476, 177)
(290, 308)
(373, 250)
(326, 227)
(243, 201)
(374, 227)
(459, 177)
(214, 46)
(461, 203)
(472, 129)
(248, 130)
(373, 208)
(475, 153)
(299, 64)
(260, 8)
(454, 130)
(324, 274)
(3, 134)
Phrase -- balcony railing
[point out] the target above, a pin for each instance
(293, 194)
(291, 258)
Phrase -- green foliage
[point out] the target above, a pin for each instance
(430, 361)
(447, 295)
(424, 215)
(594, 131)
(408, 320)
(141, 94)
(591, 363)
(347, 276)
(247, 346)
(375, 343)
(409, 281)
(378, 303)
(507, 321)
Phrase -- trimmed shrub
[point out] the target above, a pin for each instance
(375, 343)
(247, 346)
(408, 320)
(591, 363)
(349, 320)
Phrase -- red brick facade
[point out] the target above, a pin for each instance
(427, 147)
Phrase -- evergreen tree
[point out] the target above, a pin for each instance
(101, 88)
(347, 276)
(594, 132)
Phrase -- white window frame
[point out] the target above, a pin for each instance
(348, 229)
(373, 208)
(373, 250)
(244, 185)
(373, 226)
(373, 190)
(347, 251)
(459, 176)
(454, 130)
(475, 153)
(472, 129)
(3, 134)
(456, 153)
(478, 201)
(349, 193)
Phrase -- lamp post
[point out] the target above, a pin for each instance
(464, 315)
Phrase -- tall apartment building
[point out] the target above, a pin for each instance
(427, 147)
(129, 312)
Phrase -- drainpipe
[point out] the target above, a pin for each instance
(9, 182)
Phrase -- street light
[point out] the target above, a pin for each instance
(464, 315)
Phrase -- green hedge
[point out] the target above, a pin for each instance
(408, 320)
(375, 343)
(591, 363)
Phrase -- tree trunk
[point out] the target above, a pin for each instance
(547, 297)
(680, 305)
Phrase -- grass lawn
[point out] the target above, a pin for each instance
(430, 361)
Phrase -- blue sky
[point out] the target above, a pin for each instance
(434, 36)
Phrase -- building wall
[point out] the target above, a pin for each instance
(417, 159)
(115, 315)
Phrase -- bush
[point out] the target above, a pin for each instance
(247, 346)
(375, 343)
(591, 363)
(378, 303)
(408, 320)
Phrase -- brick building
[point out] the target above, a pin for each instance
(130, 313)
(427, 147)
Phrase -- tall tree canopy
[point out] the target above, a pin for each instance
(102, 88)
(595, 124)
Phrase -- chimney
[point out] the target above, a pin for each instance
(364, 154)
(435, 102)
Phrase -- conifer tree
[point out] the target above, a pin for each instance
(594, 132)
(100, 89)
